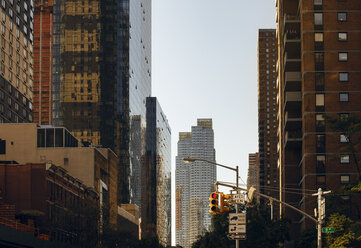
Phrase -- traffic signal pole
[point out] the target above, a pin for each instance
(320, 199)
(321, 208)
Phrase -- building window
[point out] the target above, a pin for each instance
(2, 146)
(342, 36)
(320, 143)
(343, 76)
(342, 16)
(345, 178)
(320, 99)
(343, 97)
(318, 18)
(317, 2)
(345, 159)
(319, 80)
(344, 116)
(344, 138)
(318, 37)
(320, 122)
(343, 56)
(321, 161)
(319, 58)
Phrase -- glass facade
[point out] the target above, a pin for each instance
(156, 175)
(101, 77)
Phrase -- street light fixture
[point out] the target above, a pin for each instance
(190, 159)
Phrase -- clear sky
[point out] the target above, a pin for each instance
(204, 65)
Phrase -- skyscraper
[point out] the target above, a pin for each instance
(194, 182)
(16, 64)
(253, 171)
(267, 112)
(155, 179)
(318, 77)
(102, 76)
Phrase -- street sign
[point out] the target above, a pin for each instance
(238, 199)
(239, 218)
(328, 229)
(237, 236)
(237, 228)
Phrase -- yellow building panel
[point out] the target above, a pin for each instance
(75, 88)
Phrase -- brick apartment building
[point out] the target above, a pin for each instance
(53, 202)
(267, 113)
(319, 74)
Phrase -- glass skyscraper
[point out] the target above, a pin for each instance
(102, 76)
(194, 182)
(155, 177)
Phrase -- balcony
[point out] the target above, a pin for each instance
(291, 21)
(291, 63)
(293, 139)
(293, 81)
(292, 42)
(292, 121)
(293, 101)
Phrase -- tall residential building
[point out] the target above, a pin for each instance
(194, 182)
(253, 170)
(155, 176)
(318, 76)
(43, 62)
(16, 65)
(267, 112)
(253, 177)
(102, 76)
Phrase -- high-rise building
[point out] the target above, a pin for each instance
(318, 77)
(43, 62)
(267, 112)
(16, 65)
(194, 182)
(102, 76)
(155, 176)
(253, 170)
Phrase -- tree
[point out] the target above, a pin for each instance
(218, 236)
(307, 239)
(347, 232)
(347, 224)
(261, 231)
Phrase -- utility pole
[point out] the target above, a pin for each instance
(271, 203)
(321, 214)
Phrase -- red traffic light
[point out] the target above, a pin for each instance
(214, 195)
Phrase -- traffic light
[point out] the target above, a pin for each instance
(213, 203)
(224, 203)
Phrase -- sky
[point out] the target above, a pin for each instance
(204, 65)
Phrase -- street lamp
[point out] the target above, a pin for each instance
(190, 159)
